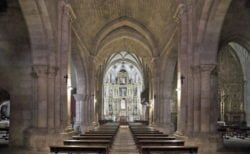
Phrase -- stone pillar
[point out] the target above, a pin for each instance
(66, 18)
(79, 109)
(41, 104)
(180, 18)
(93, 81)
(247, 93)
(85, 114)
(166, 121)
(155, 81)
(206, 97)
(247, 101)
(52, 71)
(144, 107)
(196, 79)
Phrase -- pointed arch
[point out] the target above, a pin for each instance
(125, 27)
(212, 29)
(40, 30)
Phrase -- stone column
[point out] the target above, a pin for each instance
(41, 105)
(144, 107)
(155, 81)
(247, 93)
(93, 81)
(180, 18)
(52, 71)
(196, 79)
(79, 109)
(206, 97)
(85, 114)
(166, 121)
(247, 101)
(66, 18)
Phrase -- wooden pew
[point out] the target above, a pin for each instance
(156, 135)
(91, 137)
(179, 149)
(88, 142)
(93, 134)
(97, 140)
(149, 140)
(100, 133)
(147, 132)
(79, 149)
(155, 138)
(161, 142)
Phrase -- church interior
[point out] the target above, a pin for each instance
(125, 76)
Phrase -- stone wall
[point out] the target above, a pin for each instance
(15, 69)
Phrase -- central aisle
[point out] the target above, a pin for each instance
(124, 142)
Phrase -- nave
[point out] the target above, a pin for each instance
(134, 138)
(69, 66)
(124, 142)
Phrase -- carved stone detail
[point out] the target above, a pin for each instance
(52, 71)
(196, 69)
(179, 12)
(207, 67)
(40, 70)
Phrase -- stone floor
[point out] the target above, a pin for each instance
(124, 142)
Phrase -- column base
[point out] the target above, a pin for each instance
(77, 127)
(40, 139)
(207, 143)
(165, 128)
(69, 129)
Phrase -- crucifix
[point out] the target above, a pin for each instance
(182, 79)
(66, 78)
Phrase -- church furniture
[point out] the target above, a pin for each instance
(79, 149)
(88, 142)
(91, 137)
(161, 142)
(165, 149)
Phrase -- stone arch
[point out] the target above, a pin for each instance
(127, 33)
(168, 70)
(15, 57)
(237, 39)
(241, 51)
(79, 69)
(40, 31)
(129, 27)
(211, 29)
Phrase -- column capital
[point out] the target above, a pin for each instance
(40, 70)
(179, 13)
(52, 71)
(196, 68)
(207, 67)
(155, 59)
(79, 97)
(68, 10)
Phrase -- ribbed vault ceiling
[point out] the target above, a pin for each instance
(154, 15)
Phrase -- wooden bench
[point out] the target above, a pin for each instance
(74, 148)
(155, 138)
(102, 133)
(97, 140)
(149, 133)
(179, 149)
(93, 134)
(88, 142)
(156, 135)
(91, 137)
(161, 142)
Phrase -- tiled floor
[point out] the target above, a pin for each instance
(124, 142)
